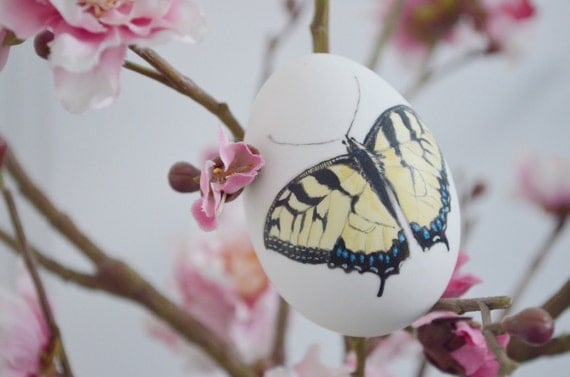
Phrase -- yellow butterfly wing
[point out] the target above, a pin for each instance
(414, 167)
(331, 214)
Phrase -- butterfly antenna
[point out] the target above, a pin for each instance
(357, 105)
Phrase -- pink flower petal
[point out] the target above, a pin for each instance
(26, 17)
(206, 222)
(460, 283)
(311, 366)
(95, 89)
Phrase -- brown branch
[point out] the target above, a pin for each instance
(392, 21)
(559, 302)
(150, 73)
(189, 88)
(281, 324)
(360, 350)
(539, 257)
(461, 306)
(320, 26)
(117, 278)
(294, 11)
(55, 335)
(65, 273)
(523, 352)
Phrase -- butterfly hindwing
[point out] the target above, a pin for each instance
(331, 214)
(415, 169)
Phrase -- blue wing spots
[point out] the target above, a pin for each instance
(381, 263)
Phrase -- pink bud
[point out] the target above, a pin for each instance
(41, 42)
(184, 177)
(534, 326)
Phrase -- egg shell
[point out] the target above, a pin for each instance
(300, 118)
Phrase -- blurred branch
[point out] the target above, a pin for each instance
(320, 26)
(56, 341)
(390, 26)
(539, 257)
(281, 325)
(65, 273)
(429, 74)
(359, 347)
(294, 12)
(461, 306)
(187, 87)
(523, 352)
(558, 302)
(116, 277)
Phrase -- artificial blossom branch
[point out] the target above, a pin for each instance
(116, 277)
(55, 335)
(189, 88)
(386, 33)
(320, 26)
(464, 305)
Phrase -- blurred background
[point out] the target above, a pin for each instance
(108, 168)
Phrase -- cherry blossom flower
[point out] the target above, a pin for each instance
(545, 181)
(91, 38)
(220, 281)
(456, 345)
(460, 283)
(310, 366)
(426, 23)
(223, 177)
(24, 333)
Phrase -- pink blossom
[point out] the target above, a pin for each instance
(224, 177)
(91, 39)
(460, 283)
(456, 345)
(475, 356)
(220, 281)
(545, 181)
(24, 333)
(424, 24)
(310, 366)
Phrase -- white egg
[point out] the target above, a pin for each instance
(354, 217)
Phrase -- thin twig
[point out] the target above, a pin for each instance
(429, 74)
(66, 273)
(506, 365)
(539, 258)
(119, 279)
(360, 350)
(189, 88)
(390, 26)
(29, 262)
(320, 26)
(281, 324)
(558, 302)
(522, 352)
(294, 12)
(461, 306)
(150, 73)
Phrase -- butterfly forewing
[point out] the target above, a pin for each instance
(414, 166)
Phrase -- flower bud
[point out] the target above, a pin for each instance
(534, 326)
(41, 42)
(184, 177)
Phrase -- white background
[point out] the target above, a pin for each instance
(108, 168)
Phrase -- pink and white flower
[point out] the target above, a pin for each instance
(424, 24)
(24, 333)
(545, 181)
(220, 282)
(456, 345)
(91, 38)
(460, 282)
(223, 177)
